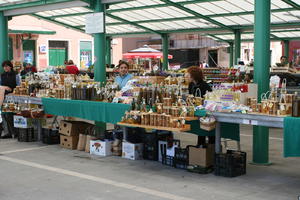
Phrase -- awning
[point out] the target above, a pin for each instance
(145, 55)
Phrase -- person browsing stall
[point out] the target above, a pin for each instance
(9, 81)
(197, 86)
(124, 76)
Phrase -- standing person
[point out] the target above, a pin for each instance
(9, 79)
(124, 76)
(71, 68)
(194, 76)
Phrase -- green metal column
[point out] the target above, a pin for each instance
(108, 50)
(286, 48)
(99, 48)
(3, 39)
(99, 66)
(231, 55)
(261, 75)
(165, 44)
(237, 46)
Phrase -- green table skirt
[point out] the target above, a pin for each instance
(90, 110)
(228, 130)
(291, 137)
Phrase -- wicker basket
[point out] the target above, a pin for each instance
(208, 126)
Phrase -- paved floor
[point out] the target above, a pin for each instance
(32, 171)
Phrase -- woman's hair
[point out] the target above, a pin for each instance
(71, 62)
(7, 63)
(124, 62)
(196, 73)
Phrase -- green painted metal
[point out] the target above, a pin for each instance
(69, 15)
(133, 24)
(3, 39)
(58, 23)
(237, 46)
(181, 7)
(99, 65)
(32, 32)
(108, 50)
(261, 75)
(286, 48)
(99, 49)
(165, 45)
(218, 38)
(31, 4)
(293, 4)
(231, 54)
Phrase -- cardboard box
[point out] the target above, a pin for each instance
(162, 146)
(69, 142)
(22, 122)
(203, 157)
(132, 151)
(72, 128)
(101, 148)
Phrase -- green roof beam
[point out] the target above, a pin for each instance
(32, 32)
(218, 38)
(58, 23)
(69, 15)
(132, 23)
(293, 4)
(31, 4)
(181, 7)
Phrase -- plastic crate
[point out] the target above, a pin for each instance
(181, 158)
(50, 136)
(27, 135)
(167, 160)
(230, 164)
(150, 151)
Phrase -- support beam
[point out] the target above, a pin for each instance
(133, 24)
(45, 6)
(181, 7)
(237, 46)
(69, 15)
(293, 4)
(108, 50)
(99, 48)
(99, 65)
(58, 23)
(165, 45)
(261, 75)
(231, 58)
(3, 39)
(286, 49)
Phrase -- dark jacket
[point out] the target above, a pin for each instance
(9, 79)
(202, 85)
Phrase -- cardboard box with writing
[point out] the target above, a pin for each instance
(72, 128)
(22, 122)
(101, 148)
(69, 142)
(203, 157)
(132, 151)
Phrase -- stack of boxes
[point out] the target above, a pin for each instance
(69, 133)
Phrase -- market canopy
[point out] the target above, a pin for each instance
(144, 52)
(214, 18)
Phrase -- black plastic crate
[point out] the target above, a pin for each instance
(27, 135)
(181, 158)
(150, 151)
(50, 136)
(230, 164)
(167, 160)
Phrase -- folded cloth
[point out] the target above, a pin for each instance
(291, 140)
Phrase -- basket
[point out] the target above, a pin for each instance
(208, 126)
(37, 114)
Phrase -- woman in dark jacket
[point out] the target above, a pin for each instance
(9, 79)
(197, 87)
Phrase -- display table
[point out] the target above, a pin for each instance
(23, 99)
(90, 110)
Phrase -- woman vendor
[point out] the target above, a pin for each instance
(9, 80)
(124, 76)
(197, 86)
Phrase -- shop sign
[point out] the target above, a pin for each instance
(43, 49)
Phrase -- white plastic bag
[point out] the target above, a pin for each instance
(274, 81)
